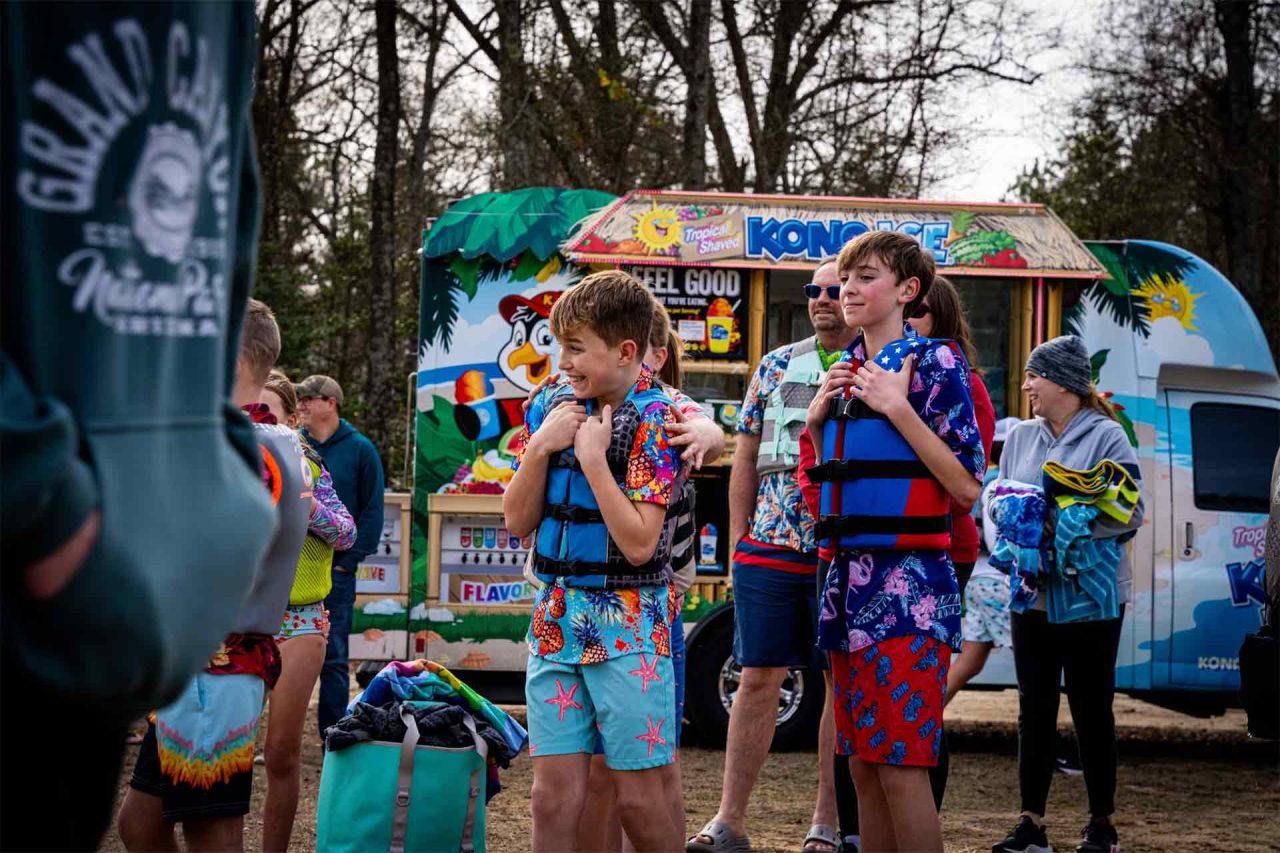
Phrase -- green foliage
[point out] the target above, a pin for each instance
(441, 446)
(1096, 362)
(1116, 295)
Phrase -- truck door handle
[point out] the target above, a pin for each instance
(1188, 539)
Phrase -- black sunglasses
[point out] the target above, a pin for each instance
(813, 291)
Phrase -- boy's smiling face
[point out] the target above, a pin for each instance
(871, 293)
(594, 369)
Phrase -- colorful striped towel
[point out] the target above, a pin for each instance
(1107, 485)
(1082, 585)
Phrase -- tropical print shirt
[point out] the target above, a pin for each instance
(582, 626)
(870, 596)
(781, 517)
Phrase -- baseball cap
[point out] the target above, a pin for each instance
(319, 386)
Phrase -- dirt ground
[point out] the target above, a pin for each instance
(1184, 784)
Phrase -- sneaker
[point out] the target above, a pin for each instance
(1098, 836)
(1067, 767)
(1025, 837)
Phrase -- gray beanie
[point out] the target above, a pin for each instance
(1063, 360)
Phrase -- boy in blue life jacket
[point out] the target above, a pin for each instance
(898, 438)
(595, 475)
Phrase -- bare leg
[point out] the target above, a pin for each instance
(824, 808)
(644, 810)
(301, 659)
(671, 785)
(751, 723)
(599, 830)
(915, 820)
(214, 834)
(964, 666)
(141, 823)
(559, 791)
(875, 824)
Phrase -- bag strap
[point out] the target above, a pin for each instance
(404, 780)
(469, 823)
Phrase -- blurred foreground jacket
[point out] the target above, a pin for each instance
(129, 233)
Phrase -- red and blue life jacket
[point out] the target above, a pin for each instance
(876, 492)
(573, 541)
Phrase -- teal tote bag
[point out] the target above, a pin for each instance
(403, 798)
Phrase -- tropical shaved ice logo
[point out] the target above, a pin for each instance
(163, 194)
(1166, 296)
(657, 229)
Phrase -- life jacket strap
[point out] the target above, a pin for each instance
(575, 514)
(869, 469)
(851, 408)
(853, 525)
(547, 566)
(568, 460)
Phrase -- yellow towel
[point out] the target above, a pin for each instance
(1107, 485)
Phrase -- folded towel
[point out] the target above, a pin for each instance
(1107, 485)
(1018, 511)
(1082, 584)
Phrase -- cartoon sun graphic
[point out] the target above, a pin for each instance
(1166, 296)
(657, 228)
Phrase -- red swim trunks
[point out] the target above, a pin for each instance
(888, 700)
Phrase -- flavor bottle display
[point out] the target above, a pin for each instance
(719, 326)
(707, 540)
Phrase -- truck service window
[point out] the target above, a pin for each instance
(1233, 448)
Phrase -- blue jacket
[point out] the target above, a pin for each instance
(356, 469)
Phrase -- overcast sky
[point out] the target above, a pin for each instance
(1015, 124)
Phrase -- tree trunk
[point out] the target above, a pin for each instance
(513, 97)
(1237, 193)
(697, 94)
(383, 385)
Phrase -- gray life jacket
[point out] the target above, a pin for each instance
(787, 406)
(290, 483)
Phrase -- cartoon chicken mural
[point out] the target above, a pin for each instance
(527, 358)
(528, 355)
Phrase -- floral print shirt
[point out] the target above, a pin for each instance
(574, 625)
(871, 596)
(781, 517)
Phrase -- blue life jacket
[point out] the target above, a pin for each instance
(573, 541)
(876, 493)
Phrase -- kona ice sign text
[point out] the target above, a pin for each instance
(815, 239)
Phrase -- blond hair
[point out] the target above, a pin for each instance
(1095, 401)
(612, 304)
(904, 257)
(259, 340)
(279, 384)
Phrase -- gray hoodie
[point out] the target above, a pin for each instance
(1087, 440)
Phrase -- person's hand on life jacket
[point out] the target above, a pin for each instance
(697, 437)
(592, 440)
(537, 389)
(559, 428)
(885, 391)
(839, 377)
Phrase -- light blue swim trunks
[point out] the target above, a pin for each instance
(629, 701)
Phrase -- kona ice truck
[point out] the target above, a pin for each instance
(1173, 343)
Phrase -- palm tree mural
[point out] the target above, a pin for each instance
(1143, 285)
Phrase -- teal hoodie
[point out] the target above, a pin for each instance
(129, 231)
